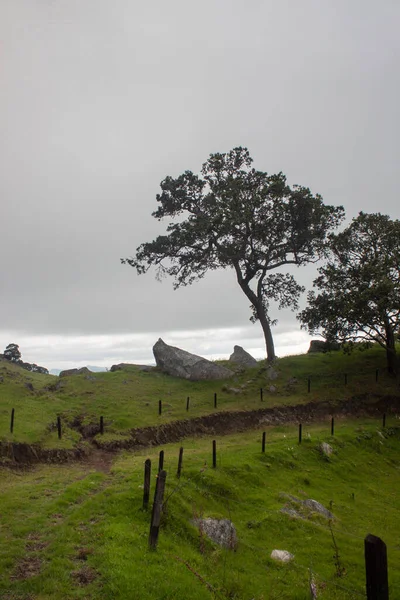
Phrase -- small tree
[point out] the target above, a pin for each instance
(12, 353)
(359, 299)
(236, 217)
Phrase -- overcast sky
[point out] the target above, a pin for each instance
(101, 99)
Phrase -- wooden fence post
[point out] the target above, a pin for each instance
(214, 453)
(215, 399)
(376, 375)
(187, 403)
(146, 487)
(263, 442)
(159, 407)
(180, 462)
(376, 568)
(261, 394)
(384, 420)
(309, 384)
(12, 420)
(101, 425)
(332, 426)
(59, 427)
(157, 510)
(345, 379)
(161, 461)
(300, 432)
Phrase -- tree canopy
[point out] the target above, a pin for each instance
(233, 216)
(359, 287)
(12, 352)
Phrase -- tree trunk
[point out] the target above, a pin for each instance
(258, 305)
(269, 342)
(390, 349)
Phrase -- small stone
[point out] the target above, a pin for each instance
(282, 555)
(315, 506)
(326, 449)
(272, 374)
(272, 389)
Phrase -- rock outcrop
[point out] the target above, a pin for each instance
(322, 346)
(68, 372)
(242, 358)
(127, 366)
(180, 363)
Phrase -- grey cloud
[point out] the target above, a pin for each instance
(100, 101)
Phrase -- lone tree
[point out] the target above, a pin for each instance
(12, 353)
(359, 298)
(237, 217)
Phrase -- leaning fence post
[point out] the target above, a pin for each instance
(214, 453)
(101, 425)
(180, 462)
(146, 487)
(261, 394)
(187, 403)
(300, 432)
(263, 442)
(215, 399)
(157, 510)
(332, 426)
(59, 427)
(376, 568)
(159, 407)
(12, 420)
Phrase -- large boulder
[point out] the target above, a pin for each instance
(242, 358)
(180, 363)
(68, 372)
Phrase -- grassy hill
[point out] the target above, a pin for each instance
(130, 399)
(79, 531)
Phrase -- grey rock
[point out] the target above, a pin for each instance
(30, 387)
(315, 506)
(69, 372)
(125, 366)
(322, 346)
(326, 449)
(282, 555)
(220, 531)
(180, 363)
(272, 389)
(232, 390)
(1, 379)
(241, 357)
(272, 374)
(292, 512)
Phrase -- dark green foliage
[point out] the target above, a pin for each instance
(359, 299)
(240, 218)
(12, 352)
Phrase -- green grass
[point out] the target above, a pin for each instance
(53, 517)
(129, 399)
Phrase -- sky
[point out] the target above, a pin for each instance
(100, 101)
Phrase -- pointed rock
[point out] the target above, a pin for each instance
(241, 357)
